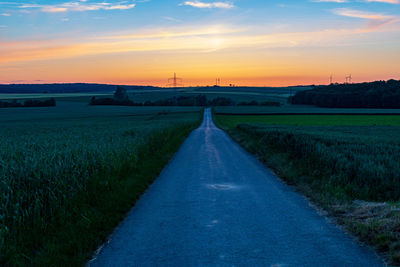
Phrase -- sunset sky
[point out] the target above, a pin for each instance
(243, 42)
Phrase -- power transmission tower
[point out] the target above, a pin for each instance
(175, 81)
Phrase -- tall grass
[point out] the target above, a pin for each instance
(50, 170)
(349, 162)
(353, 172)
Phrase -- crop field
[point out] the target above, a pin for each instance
(55, 161)
(81, 111)
(313, 120)
(296, 109)
(348, 164)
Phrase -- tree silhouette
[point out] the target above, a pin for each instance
(121, 94)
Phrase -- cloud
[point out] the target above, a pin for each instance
(385, 1)
(330, 1)
(346, 1)
(199, 4)
(177, 32)
(5, 14)
(171, 19)
(208, 38)
(375, 20)
(79, 6)
(347, 12)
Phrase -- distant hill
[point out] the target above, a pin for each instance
(63, 88)
(378, 94)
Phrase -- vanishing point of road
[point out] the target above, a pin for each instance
(216, 205)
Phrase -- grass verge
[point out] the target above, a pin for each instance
(84, 222)
(350, 174)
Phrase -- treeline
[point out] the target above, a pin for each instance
(28, 103)
(184, 101)
(121, 98)
(64, 88)
(112, 102)
(378, 94)
(256, 103)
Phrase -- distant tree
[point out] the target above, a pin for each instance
(378, 94)
(201, 100)
(148, 103)
(28, 103)
(92, 101)
(121, 94)
(187, 101)
(40, 103)
(271, 104)
(221, 101)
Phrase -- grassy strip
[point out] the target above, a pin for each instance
(85, 222)
(304, 161)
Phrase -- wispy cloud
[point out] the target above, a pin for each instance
(5, 14)
(330, 1)
(199, 4)
(385, 1)
(347, 12)
(177, 32)
(79, 6)
(375, 20)
(194, 39)
(347, 1)
(171, 19)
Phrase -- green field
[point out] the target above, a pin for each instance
(75, 111)
(348, 164)
(312, 120)
(64, 169)
(295, 109)
(69, 173)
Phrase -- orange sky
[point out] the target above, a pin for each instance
(303, 51)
